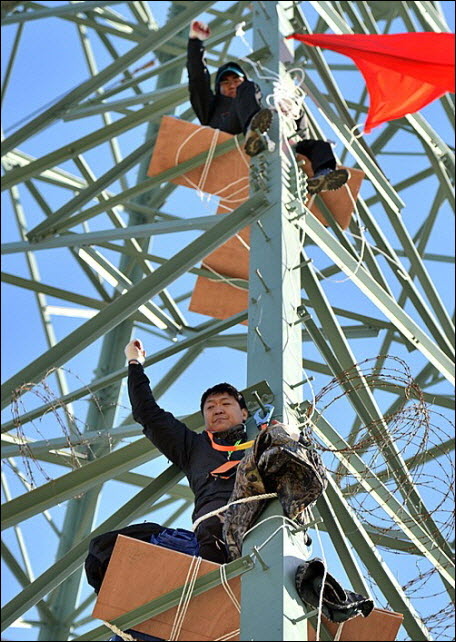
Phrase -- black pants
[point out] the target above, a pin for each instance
(319, 153)
(210, 540)
(210, 533)
(248, 102)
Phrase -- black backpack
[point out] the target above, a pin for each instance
(100, 549)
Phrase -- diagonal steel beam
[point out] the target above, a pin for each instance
(363, 401)
(37, 448)
(72, 560)
(87, 87)
(377, 568)
(55, 11)
(75, 482)
(366, 284)
(85, 195)
(412, 462)
(35, 286)
(23, 580)
(130, 232)
(329, 13)
(385, 498)
(402, 275)
(199, 336)
(145, 186)
(127, 303)
(171, 599)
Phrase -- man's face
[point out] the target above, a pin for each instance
(221, 412)
(229, 84)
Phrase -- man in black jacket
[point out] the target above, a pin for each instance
(235, 108)
(208, 458)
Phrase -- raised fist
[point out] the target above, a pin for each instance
(135, 350)
(199, 30)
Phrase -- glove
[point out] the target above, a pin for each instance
(199, 30)
(135, 350)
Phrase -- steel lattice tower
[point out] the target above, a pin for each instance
(377, 291)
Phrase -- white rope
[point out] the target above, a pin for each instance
(185, 598)
(364, 244)
(228, 636)
(122, 634)
(266, 519)
(352, 133)
(241, 153)
(307, 420)
(189, 137)
(223, 278)
(242, 242)
(228, 588)
(374, 248)
(320, 601)
(230, 199)
(209, 158)
(237, 501)
(339, 632)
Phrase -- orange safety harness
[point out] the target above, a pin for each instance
(262, 418)
(228, 465)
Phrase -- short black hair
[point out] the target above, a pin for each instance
(219, 389)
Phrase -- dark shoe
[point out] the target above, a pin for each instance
(254, 141)
(326, 180)
(337, 604)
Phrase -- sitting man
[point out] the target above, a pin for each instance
(203, 457)
(235, 108)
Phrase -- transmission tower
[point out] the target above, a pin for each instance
(350, 332)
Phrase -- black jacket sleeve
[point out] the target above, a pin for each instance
(202, 97)
(168, 434)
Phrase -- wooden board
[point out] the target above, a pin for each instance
(178, 141)
(378, 626)
(228, 177)
(218, 299)
(138, 572)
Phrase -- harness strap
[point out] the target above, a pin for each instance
(228, 465)
(216, 446)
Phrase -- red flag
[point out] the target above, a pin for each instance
(403, 71)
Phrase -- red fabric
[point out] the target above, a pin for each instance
(403, 72)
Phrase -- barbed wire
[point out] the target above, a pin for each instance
(69, 425)
(408, 448)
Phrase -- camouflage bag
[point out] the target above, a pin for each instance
(277, 463)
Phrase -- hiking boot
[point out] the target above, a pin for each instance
(326, 180)
(254, 141)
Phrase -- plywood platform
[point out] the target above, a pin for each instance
(138, 572)
(379, 626)
(179, 140)
(228, 177)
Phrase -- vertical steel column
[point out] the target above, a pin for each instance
(271, 608)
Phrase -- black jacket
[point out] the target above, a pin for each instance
(190, 451)
(211, 108)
